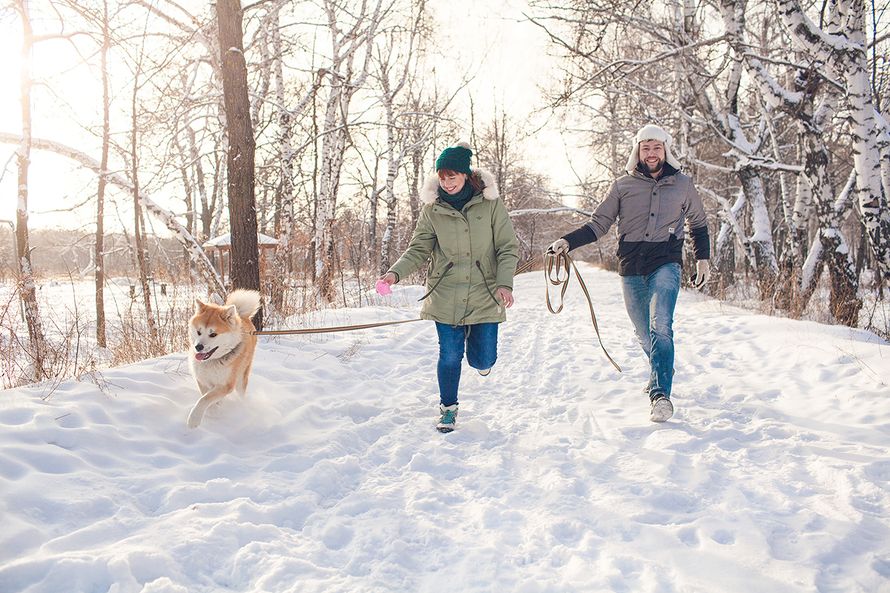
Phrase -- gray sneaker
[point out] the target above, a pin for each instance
(448, 419)
(484, 372)
(661, 408)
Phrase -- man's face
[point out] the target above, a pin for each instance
(652, 155)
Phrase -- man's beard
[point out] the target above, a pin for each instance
(656, 168)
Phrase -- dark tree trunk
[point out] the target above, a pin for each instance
(245, 269)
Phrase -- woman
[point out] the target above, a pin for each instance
(465, 233)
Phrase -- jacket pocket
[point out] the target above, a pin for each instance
(485, 283)
(437, 280)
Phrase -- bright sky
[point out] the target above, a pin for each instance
(506, 54)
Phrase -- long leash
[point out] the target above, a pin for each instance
(559, 263)
(327, 330)
(342, 328)
(346, 328)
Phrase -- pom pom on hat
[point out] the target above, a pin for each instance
(456, 158)
(651, 132)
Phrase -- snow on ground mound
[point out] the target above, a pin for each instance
(774, 475)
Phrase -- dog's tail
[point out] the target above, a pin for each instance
(247, 302)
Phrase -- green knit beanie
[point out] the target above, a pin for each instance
(455, 158)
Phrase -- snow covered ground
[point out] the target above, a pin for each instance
(774, 475)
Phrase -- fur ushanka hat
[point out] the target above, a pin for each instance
(651, 132)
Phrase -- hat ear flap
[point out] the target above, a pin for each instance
(633, 159)
(669, 157)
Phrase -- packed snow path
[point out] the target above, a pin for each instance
(773, 476)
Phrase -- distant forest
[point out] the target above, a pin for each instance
(59, 253)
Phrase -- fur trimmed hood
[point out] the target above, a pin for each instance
(430, 190)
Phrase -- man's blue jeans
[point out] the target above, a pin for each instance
(480, 341)
(650, 302)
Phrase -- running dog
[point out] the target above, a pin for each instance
(222, 348)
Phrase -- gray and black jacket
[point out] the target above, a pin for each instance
(651, 216)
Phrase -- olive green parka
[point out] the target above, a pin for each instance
(470, 253)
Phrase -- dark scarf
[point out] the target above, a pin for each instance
(666, 170)
(460, 199)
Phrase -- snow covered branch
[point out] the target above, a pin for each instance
(188, 241)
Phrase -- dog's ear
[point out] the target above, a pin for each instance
(200, 306)
(229, 313)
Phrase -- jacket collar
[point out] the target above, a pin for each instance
(668, 178)
(429, 193)
(668, 171)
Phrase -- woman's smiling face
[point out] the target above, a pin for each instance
(452, 181)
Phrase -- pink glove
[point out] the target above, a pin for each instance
(382, 287)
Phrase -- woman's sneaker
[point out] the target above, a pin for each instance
(484, 372)
(448, 418)
(661, 408)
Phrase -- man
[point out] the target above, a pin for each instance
(651, 204)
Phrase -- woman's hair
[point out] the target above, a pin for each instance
(473, 178)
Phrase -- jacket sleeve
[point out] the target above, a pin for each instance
(697, 221)
(419, 249)
(506, 245)
(600, 221)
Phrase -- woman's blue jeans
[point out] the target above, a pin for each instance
(480, 341)
(650, 302)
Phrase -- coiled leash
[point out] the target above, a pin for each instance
(557, 262)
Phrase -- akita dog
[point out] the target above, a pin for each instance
(223, 346)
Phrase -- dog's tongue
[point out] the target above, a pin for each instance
(202, 355)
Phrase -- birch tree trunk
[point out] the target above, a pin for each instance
(388, 60)
(333, 144)
(100, 192)
(27, 286)
(138, 232)
(414, 181)
(724, 245)
(344, 82)
(205, 205)
(392, 168)
(814, 184)
(873, 202)
(762, 238)
(843, 49)
(284, 201)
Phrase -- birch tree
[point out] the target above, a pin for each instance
(289, 110)
(842, 47)
(167, 218)
(101, 340)
(656, 61)
(816, 184)
(394, 61)
(351, 35)
(27, 286)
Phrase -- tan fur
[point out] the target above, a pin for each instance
(224, 333)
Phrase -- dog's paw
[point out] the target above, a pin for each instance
(195, 417)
